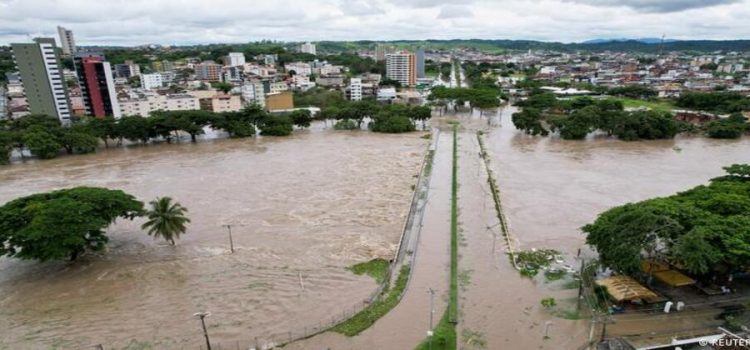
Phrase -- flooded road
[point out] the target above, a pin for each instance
(305, 207)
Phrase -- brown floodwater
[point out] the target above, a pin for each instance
(305, 207)
(551, 187)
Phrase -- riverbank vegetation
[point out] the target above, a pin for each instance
(479, 98)
(385, 118)
(375, 268)
(45, 137)
(64, 223)
(705, 230)
(576, 118)
(377, 309)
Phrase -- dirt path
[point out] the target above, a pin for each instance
(406, 325)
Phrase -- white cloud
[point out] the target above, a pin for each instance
(451, 11)
(133, 22)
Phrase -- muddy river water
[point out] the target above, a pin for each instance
(305, 207)
(310, 205)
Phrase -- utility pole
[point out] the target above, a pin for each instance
(202, 316)
(432, 314)
(231, 244)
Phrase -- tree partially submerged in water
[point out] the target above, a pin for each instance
(62, 224)
(166, 219)
(706, 229)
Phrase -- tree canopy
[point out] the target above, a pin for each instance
(706, 229)
(62, 224)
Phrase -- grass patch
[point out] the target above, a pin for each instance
(656, 105)
(443, 337)
(367, 317)
(375, 268)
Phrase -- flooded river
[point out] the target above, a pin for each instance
(551, 187)
(305, 207)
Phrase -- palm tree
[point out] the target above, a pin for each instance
(166, 219)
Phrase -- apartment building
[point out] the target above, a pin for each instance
(354, 91)
(234, 59)
(152, 81)
(401, 67)
(67, 41)
(252, 93)
(221, 103)
(208, 71)
(146, 104)
(299, 68)
(127, 70)
(97, 85)
(42, 78)
(308, 48)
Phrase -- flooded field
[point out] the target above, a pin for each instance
(305, 207)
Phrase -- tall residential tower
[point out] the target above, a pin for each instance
(97, 85)
(401, 67)
(67, 41)
(41, 75)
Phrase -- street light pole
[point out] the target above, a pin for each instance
(202, 316)
(231, 244)
(432, 313)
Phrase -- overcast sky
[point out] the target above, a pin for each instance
(135, 22)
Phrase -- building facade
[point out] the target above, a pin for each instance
(308, 48)
(152, 81)
(280, 101)
(221, 103)
(42, 78)
(401, 67)
(252, 93)
(235, 59)
(208, 71)
(145, 105)
(97, 85)
(354, 92)
(420, 63)
(127, 70)
(67, 41)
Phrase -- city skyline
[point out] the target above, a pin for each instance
(187, 23)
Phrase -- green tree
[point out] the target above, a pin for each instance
(276, 126)
(530, 121)
(223, 87)
(301, 117)
(135, 128)
(103, 128)
(78, 139)
(166, 219)
(41, 143)
(705, 229)
(62, 224)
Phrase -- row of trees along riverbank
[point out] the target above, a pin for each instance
(45, 137)
(575, 118)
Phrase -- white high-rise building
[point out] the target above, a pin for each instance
(355, 89)
(151, 81)
(235, 59)
(401, 67)
(252, 93)
(43, 82)
(307, 48)
(67, 41)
